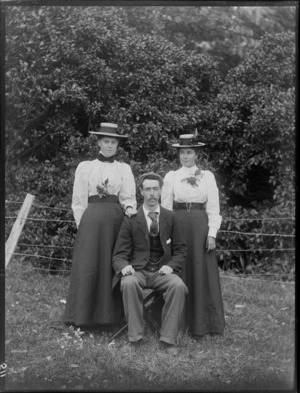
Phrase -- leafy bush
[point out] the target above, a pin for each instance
(54, 189)
(69, 68)
(250, 126)
(254, 252)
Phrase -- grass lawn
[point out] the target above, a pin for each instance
(256, 351)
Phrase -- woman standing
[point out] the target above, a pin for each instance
(193, 194)
(103, 190)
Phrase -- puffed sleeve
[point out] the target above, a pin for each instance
(167, 193)
(212, 204)
(127, 192)
(80, 191)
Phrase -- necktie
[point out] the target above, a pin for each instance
(154, 224)
(105, 159)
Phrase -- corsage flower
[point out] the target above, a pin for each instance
(102, 190)
(192, 180)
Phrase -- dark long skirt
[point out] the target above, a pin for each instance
(204, 306)
(90, 300)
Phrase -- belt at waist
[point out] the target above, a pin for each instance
(188, 205)
(108, 198)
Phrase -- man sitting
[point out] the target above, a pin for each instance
(150, 253)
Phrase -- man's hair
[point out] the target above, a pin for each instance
(150, 176)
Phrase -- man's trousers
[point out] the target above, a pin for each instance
(174, 292)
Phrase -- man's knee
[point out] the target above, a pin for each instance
(178, 285)
(129, 282)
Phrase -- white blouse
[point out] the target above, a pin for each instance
(202, 190)
(117, 175)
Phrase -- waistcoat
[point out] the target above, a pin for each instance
(156, 252)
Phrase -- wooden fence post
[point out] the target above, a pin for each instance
(15, 233)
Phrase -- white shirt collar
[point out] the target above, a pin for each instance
(146, 211)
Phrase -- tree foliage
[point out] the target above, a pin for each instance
(251, 122)
(224, 32)
(70, 68)
(87, 67)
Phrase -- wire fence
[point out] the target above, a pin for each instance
(256, 279)
(223, 276)
(53, 247)
(221, 230)
(244, 250)
(41, 219)
(256, 233)
(223, 219)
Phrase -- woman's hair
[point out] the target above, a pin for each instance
(107, 136)
(197, 150)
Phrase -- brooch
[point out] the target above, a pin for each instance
(192, 180)
(102, 190)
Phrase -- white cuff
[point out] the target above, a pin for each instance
(212, 232)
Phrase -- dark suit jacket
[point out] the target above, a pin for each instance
(133, 243)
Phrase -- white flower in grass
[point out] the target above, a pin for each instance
(111, 346)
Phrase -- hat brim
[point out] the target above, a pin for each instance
(200, 144)
(108, 134)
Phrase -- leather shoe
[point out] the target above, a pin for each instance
(197, 338)
(169, 348)
(134, 345)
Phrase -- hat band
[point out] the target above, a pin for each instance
(108, 130)
(187, 141)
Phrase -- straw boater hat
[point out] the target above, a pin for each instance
(108, 129)
(188, 140)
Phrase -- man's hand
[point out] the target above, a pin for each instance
(130, 212)
(165, 270)
(127, 270)
(210, 243)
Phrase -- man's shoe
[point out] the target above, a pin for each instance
(197, 338)
(133, 346)
(169, 348)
